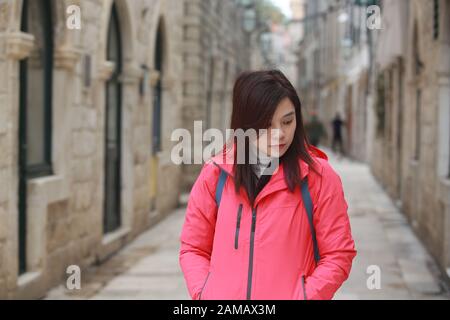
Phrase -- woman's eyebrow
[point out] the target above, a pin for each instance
(288, 114)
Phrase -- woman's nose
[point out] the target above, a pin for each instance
(277, 136)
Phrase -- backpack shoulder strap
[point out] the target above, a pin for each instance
(307, 201)
(220, 185)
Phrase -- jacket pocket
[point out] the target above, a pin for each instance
(304, 288)
(204, 285)
(238, 226)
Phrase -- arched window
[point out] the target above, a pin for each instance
(35, 112)
(157, 97)
(113, 114)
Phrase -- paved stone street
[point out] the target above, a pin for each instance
(148, 268)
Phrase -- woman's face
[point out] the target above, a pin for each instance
(280, 133)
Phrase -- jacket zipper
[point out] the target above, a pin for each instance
(204, 284)
(238, 226)
(303, 286)
(250, 264)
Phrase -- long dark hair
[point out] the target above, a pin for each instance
(256, 95)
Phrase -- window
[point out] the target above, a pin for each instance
(157, 97)
(307, 21)
(224, 120)
(390, 104)
(209, 93)
(418, 129)
(35, 109)
(418, 65)
(316, 65)
(113, 124)
(435, 19)
(36, 88)
(449, 149)
(380, 105)
(302, 73)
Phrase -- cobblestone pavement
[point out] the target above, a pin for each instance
(148, 268)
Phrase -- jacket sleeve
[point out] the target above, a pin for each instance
(334, 238)
(198, 230)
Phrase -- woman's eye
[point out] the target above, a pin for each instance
(287, 122)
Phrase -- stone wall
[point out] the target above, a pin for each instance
(410, 158)
(65, 210)
(213, 57)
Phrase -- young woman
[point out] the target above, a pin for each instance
(257, 242)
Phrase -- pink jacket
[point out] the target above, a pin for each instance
(266, 252)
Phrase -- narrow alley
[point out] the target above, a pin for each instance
(148, 268)
(107, 107)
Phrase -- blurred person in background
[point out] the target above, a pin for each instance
(315, 130)
(337, 124)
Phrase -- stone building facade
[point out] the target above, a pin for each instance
(96, 195)
(410, 154)
(216, 49)
(320, 59)
(354, 73)
(92, 169)
(334, 64)
(392, 87)
(389, 91)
